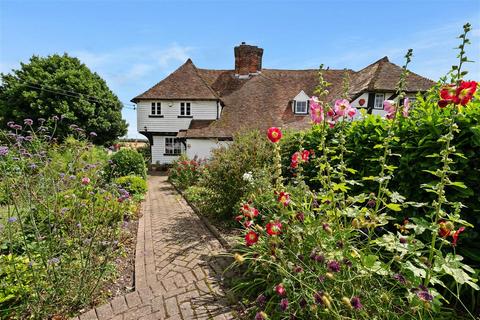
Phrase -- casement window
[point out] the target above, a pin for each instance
(301, 107)
(173, 146)
(156, 109)
(185, 109)
(379, 98)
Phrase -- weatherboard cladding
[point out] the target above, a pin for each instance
(264, 100)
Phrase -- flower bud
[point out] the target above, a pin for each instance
(356, 223)
(239, 258)
(346, 302)
(329, 275)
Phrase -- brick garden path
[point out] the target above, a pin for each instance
(178, 266)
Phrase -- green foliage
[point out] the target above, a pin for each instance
(133, 184)
(60, 85)
(126, 162)
(60, 225)
(248, 153)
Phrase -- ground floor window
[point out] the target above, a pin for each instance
(173, 146)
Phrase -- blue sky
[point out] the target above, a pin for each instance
(134, 44)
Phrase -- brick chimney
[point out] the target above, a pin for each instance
(248, 60)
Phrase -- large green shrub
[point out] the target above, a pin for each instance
(133, 184)
(228, 170)
(126, 162)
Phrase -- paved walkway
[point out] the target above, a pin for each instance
(178, 266)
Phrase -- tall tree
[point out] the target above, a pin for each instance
(60, 85)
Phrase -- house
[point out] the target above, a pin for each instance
(194, 110)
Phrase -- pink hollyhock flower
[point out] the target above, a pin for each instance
(305, 155)
(85, 181)
(280, 289)
(456, 234)
(284, 198)
(331, 123)
(406, 107)
(330, 113)
(316, 110)
(274, 228)
(342, 106)
(465, 92)
(295, 159)
(389, 107)
(274, 134)
(251, 238)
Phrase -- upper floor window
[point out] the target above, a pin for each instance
(185, 109)
(156, 108)
(173, 146)
(301, 107)
(379, 98)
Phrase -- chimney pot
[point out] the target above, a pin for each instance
(248, 59)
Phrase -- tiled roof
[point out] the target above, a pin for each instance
(183, 83)
(265, 99)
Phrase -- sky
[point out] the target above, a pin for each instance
(135, 44)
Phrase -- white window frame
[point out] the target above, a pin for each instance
(156, 109)
(296, 107)
(185, 108)
(173, 146)
(378, 105)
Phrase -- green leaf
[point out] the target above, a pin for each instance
(394, 207)
(369, 260)
(458, 184)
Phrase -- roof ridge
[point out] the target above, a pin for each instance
(203, 80)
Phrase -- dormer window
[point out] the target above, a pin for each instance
(301, 107)
(300, 103)
(156, 109)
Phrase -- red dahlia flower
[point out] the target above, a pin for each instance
(274, 228)
(251, 238)
(274, 134)
(284, 198)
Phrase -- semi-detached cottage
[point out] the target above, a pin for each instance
(195, 110)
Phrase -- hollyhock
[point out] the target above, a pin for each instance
(406, 107)
(284, 198)
(305, 155)
(274, 134)
(356, 303)
(330, 113)
(251, 238)
(295, 159)
(342, 106)
(280, 289)
(389, 107)
(465, 92)
(352, 112)
(316, 110)
(274, 228)
(448, 93)
(456, 234)
(331, 123)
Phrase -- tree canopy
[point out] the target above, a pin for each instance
(61, 85)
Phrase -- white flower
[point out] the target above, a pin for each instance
(247, 176)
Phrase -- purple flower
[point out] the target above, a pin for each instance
(10, 124)
(400, 278)
(302, 303)
(41, 120)
(423, 294)
(298, 269)
(321, 279)
(3, 151)
(12, 219)
(16, 127)
(28, 122)
(33, 166)
(55, 118)
(356, 303)
(79, 225)
(319, 258)
(333, 266)
(261, 300)
(284, 304)
(93, 134)
(260, 316)
(53, 261)
(403, 240)
(318, 297)
(28, 138)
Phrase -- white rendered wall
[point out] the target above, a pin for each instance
(201, 148)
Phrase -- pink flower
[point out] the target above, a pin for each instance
(284, 198)
(305, 155)
(316, 110)
(280, 289)
(295, 159)
(389, 107)
(406, 107)
(352, 112)
(331, 123)
(342, 106)
(85, 181)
